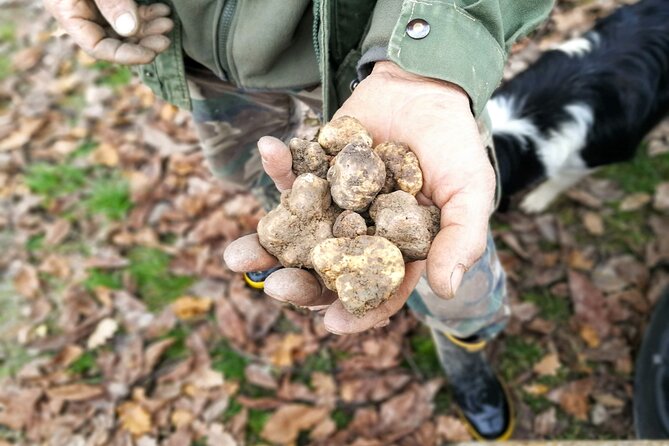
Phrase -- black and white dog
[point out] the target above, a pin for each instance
(587, 103)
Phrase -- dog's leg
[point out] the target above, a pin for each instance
(540, 198)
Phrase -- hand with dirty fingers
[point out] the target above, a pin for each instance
(434, 119)
(117, 31)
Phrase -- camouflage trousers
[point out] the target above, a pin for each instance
(229, 123)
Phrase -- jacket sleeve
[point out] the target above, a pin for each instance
(467, 43)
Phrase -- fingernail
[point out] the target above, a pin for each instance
(382, 324)
(456, 278)
(125, 24)
(333, 331)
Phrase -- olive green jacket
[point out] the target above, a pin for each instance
(293, 44)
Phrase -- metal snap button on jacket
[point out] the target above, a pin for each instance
(418, 29)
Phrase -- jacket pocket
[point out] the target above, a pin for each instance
(166, 75)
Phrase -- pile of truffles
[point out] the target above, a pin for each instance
(351, 215)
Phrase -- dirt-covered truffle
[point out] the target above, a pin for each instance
(309, 157)
(410, 226)
(356, 177)
(338, 133)
(302, 220)
(365, 271)
(349, 224)
(402, 168)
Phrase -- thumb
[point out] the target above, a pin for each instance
(460, 242)
(277, 161)
(122, 15)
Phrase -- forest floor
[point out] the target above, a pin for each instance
(119, 322)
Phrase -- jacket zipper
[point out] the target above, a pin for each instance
(315, 28)
(224, 25)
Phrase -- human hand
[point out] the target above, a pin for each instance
(115, 30)
(434, 119)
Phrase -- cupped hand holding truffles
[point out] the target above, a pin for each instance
(321, 224)
(434, 120)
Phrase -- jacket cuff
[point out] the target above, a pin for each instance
(458, 48)
(369, 58)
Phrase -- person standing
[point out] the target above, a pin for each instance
(416, 71)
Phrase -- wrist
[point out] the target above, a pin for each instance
(390, 69)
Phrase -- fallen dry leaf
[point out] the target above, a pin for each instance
(661, 198)
(545, 422)
(105, 155)
(57, 232)
(285, 424)
(634, 202)
(578, 260)
(181, 418)
(27, 58)
(21, 136)
(590, 336)
(189, 307)
(103, 332)
(26, 281)
(284, 353)
(573, 398)
(134, 418)
(404, 413)
(260, 376)
(536, 389)
(593, 223)
(452, 429)
(75, 392)
(589, 304)
(18, 406)
(548, 366)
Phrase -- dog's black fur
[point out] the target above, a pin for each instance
(623, 79)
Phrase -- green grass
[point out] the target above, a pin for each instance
(442, 401)
(520, 355)
(178, 350)
(158, 287)
(110, 197)
(84, 149)
(552, 381)
(321, 361)
(579, 430)
(341, 417)
(73, 104)
(255, 424)
(112, 75)
(35, 243)
(7, 32)
(7, 40)
(107, 279)
(50, 181)
(233, 409)
(12, 358)
(641, 174)
(537, 403)
(550, 307)
(5, 67)
(625, 230)
(226, 360)
(84, 364)
(424, 354)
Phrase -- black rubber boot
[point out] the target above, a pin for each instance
(481, 397)
(256, 279)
